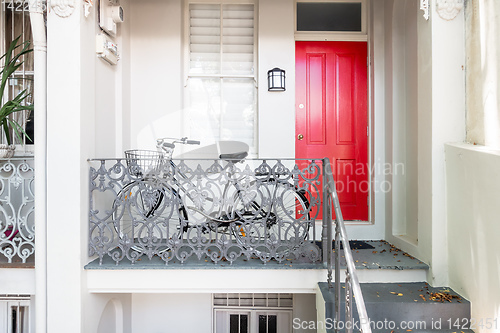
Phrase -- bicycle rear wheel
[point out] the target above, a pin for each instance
(273, 226)
(148, 219)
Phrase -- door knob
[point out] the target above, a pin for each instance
(300, 136)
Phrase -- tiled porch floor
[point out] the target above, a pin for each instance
(382, 256)
(17, 262)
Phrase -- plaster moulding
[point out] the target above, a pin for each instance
(424, 5)
(63, 8)
(449, 9)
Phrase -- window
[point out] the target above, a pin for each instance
(221, 90)
(268, 323)
(331, 20)
(253, 313)
(328, 16)
(238, 323)
(252, 321)
(15, 22)
(14, 314)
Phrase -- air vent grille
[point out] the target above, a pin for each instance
(273, 300)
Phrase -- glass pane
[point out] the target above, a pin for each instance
(234, 326)
(272, 324)
(14, 320)
(238, 323)
(238, 114)
(224, 112)
(268, 323)
(327, 16)
(203, 116)
(262, 324)
(243, 324)
(22, 316)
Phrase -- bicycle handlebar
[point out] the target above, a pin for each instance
(168, 147)
(192, 142)
(162, 142)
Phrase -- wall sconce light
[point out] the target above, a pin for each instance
(276, 80)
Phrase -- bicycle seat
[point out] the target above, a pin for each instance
(234, 157)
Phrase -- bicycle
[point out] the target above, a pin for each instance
(168, 204)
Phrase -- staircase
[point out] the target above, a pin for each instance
(395, 307)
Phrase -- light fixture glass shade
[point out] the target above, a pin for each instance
(276, 80)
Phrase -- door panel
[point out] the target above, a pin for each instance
(332, 116)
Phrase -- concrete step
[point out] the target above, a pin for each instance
(400, 307)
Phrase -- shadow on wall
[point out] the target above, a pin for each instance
(112, 318)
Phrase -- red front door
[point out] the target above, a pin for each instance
(332, 116)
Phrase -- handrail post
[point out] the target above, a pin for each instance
(325, 235)
(338, 288)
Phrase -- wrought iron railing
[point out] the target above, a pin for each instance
(17, 209)
(205, 210)
(352, 288)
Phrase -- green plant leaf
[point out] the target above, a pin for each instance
(17, 104)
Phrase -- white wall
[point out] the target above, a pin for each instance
(276, 49)
(483, 72)
(473, 192)
(406, 42)
(440, 117)
(156, 71)
(304, 308)
(160, 313)
(108, 313)
(448, 124)
(404, 100)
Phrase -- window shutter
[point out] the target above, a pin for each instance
(204, 39)
(238, 39)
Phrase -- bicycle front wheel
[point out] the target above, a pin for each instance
(148, 219)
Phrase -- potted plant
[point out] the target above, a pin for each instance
(9, 107)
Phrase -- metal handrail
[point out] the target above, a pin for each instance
(352, 286)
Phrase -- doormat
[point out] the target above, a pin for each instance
(354, 244)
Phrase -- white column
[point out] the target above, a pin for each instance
(70, 141)
(40, 91)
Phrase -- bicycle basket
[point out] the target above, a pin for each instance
(143, 162)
